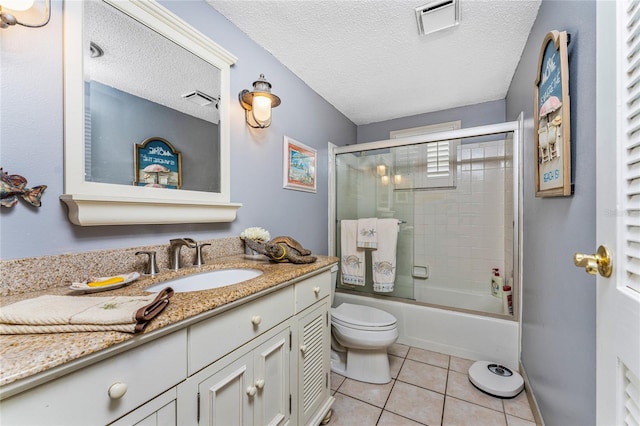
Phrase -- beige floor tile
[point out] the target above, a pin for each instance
(421, 405)
(390, 419)
(424, 375)
(429, 357)
(395, 363)
(398, 350)
(517, 421)
(348, 412)
(519, 407)
(461, 413)
(336, 380)
(460, 365)
(373, 394)
(459, 386)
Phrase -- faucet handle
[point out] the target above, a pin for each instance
(198, 260)
(152, 266)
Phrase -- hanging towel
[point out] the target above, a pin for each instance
(352, 261)
(384, 258)
(53, 314)
(368, 233)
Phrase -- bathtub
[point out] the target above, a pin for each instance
(460, 334)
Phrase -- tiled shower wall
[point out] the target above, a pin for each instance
(462, 233)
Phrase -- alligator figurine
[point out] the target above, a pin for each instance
(282, 249)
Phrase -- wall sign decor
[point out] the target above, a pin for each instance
(299, 166)
(157, 164)
(552, 150)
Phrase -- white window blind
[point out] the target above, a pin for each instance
(630, 141)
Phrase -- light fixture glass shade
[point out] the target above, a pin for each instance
(382, 170)
(261, 109)
(385, 180)
(18, 5)
(258, 103)
(397, 179)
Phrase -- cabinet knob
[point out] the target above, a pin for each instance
(256, 319)
(303, 349)
(316, 290)
(260, 383)
(252, 390)
(117, 390)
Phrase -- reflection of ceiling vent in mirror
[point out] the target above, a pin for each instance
(437, 15)
(199, 98)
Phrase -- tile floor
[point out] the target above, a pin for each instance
(427, 388)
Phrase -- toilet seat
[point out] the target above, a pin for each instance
(362, 318)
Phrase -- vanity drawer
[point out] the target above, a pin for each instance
(312, 290)
(215, 337)
(82, 397)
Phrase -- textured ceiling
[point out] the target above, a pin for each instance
(367, 59)
(156, 73)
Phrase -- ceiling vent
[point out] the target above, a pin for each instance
(200, 98)
(437, 15)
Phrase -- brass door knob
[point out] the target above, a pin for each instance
(594, 263)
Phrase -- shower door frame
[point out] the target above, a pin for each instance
(514, 127)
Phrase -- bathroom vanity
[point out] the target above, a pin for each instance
(258, 359)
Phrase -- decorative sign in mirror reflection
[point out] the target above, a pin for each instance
(157, 164)
(133, 94)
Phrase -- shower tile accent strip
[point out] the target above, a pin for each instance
(427, 388)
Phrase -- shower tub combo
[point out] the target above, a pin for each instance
(456, 196)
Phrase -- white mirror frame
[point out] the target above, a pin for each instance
(92, 203)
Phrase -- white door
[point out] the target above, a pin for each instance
(618, 212)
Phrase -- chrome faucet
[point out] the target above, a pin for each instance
(174, 251)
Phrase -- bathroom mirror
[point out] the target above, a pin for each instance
(135, 72)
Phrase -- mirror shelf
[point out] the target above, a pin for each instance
(95, 203)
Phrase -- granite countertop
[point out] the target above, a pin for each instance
(24, 356)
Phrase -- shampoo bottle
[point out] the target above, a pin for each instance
(507, 300)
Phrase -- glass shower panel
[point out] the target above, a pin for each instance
(366, 187)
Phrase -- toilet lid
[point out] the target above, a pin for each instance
(362, 316)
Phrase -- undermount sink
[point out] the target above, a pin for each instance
(207, 280)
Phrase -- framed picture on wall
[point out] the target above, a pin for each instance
(299, 166)
(552, 150)
(157, 164)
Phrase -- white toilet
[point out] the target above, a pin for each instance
(360, 336)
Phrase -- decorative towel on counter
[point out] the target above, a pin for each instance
(368, 233)
(384, 258)
(352, 261)
(56, 314)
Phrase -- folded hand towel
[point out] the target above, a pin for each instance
(52, 314)
(384, 258)
(352, 258)
(367, 233)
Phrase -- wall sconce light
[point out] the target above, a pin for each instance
(382, 170)
(397, 179)
(258, 103)
(7, 19)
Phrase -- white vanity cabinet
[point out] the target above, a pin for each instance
(249, 386)
(264, 361)
(105, 391)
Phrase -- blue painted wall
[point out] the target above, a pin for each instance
(470, 116)
(559, 301)
(31, 144)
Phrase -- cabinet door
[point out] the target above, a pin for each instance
(314, 360)
(272, 402)
(160, 411)
(226, 397)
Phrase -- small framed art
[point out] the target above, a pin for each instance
(157, 164)
(299, 166)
